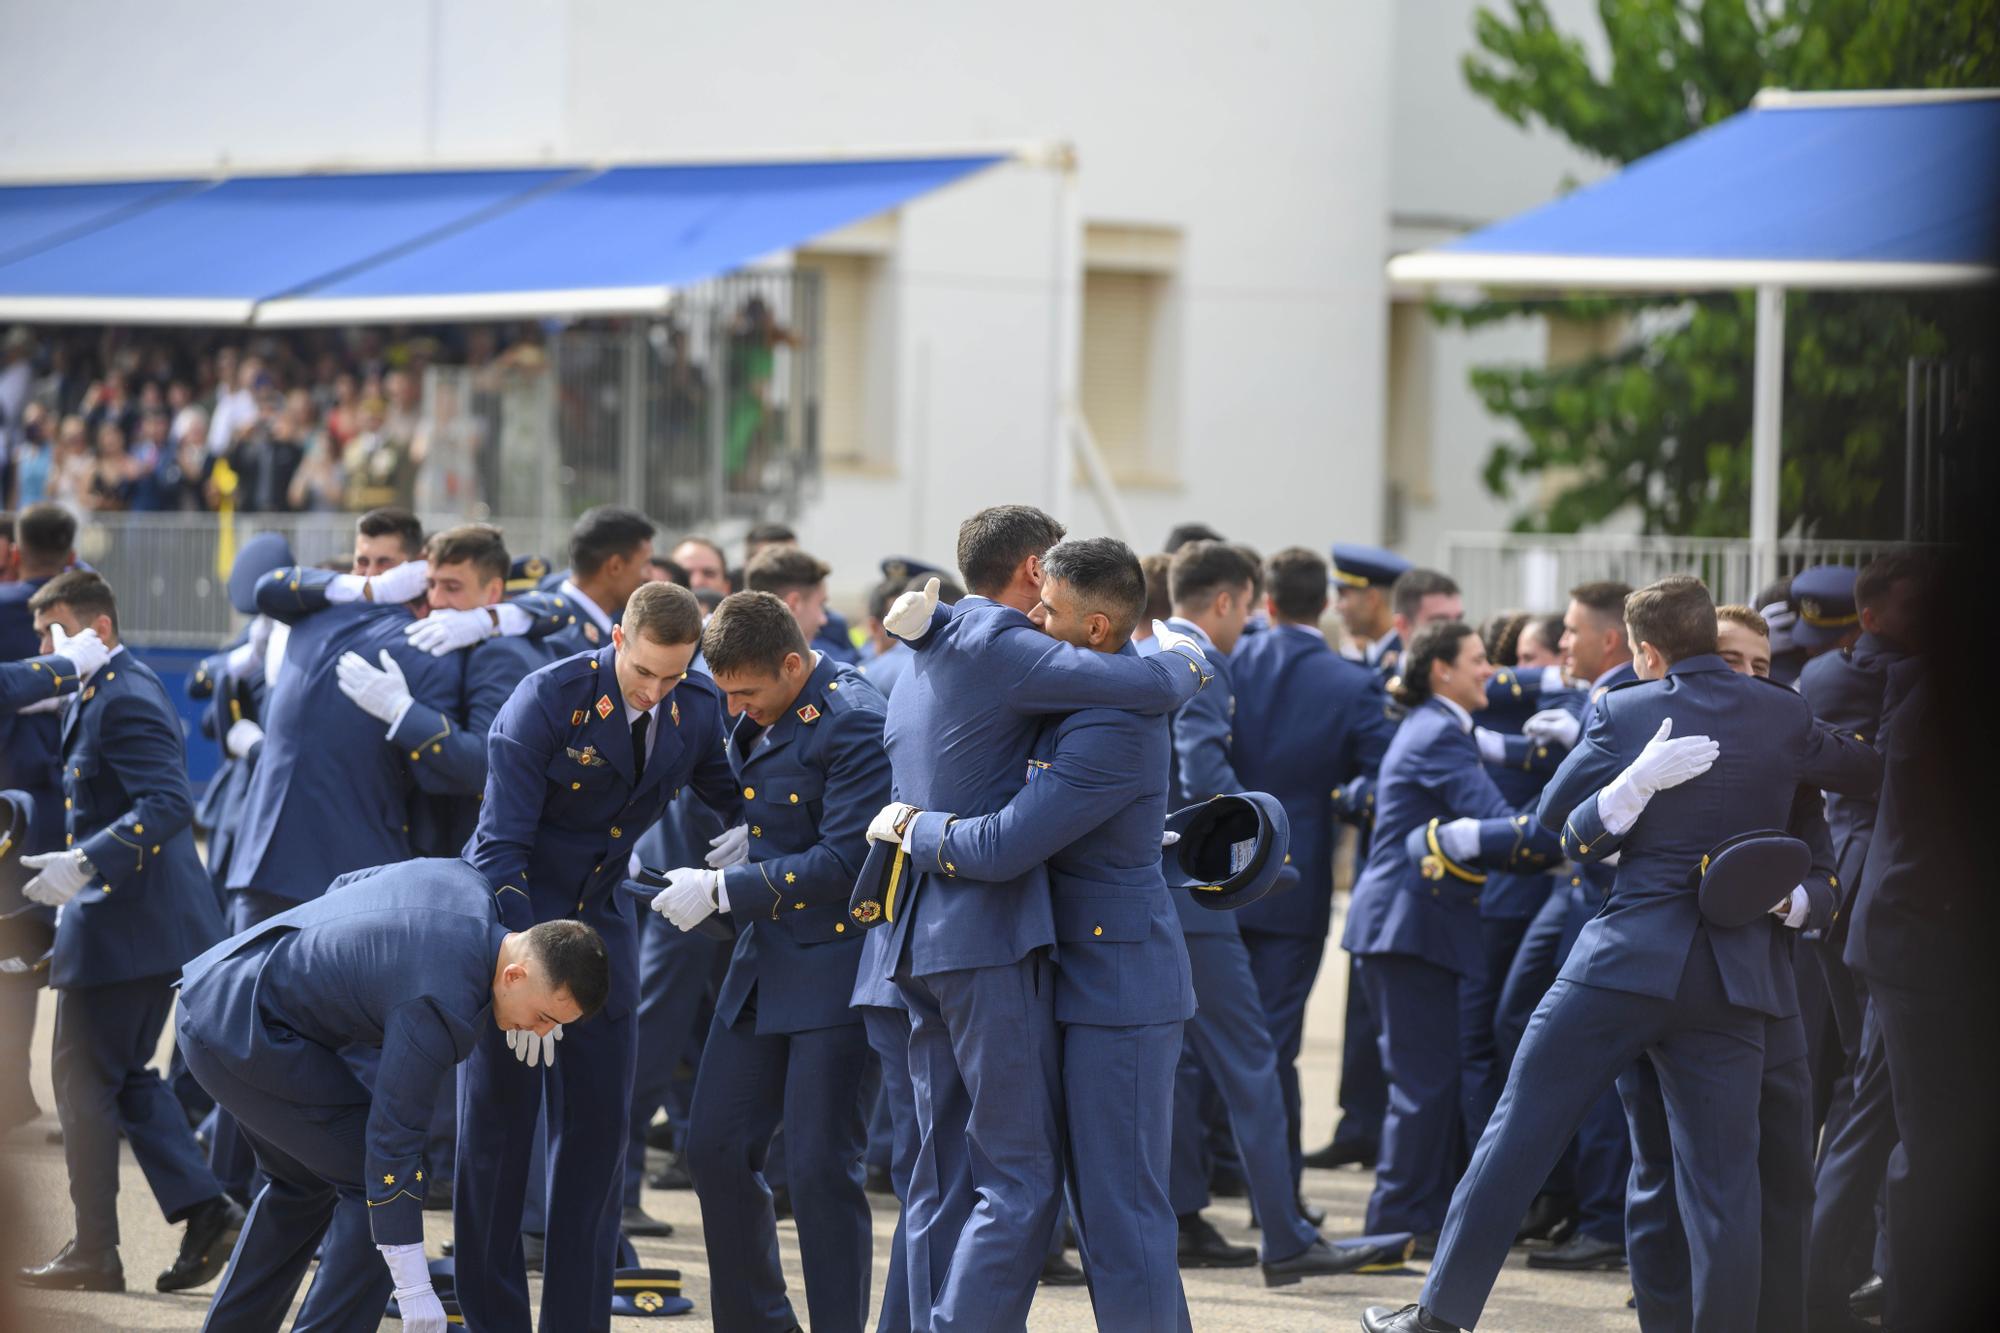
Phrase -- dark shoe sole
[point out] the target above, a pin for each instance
(1383, 1261)
(214, 1258)
(1248, 1260)
(1606, 1264)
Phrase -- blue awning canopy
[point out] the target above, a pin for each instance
(1858, 190)
(446, 244)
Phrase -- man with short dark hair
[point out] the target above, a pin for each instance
(1364, 577)
(608, 553)
(1309, 723)
(794, 578)
(785, 1052)
(1421, 596)
(582, 759)
(408, 963)
(707, 567)
(133, 905)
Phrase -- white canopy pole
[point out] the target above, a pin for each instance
(1767, 408)
(1066, 335)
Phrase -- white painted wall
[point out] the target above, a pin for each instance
(1261, 132)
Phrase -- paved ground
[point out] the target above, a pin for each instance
(1525, 1301)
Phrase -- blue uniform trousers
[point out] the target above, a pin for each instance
(229, 1154)
(1656, 1245)
(589, 1094)
(310, 1161)
(1854, 1155)
(1228, 1038)
(889, 1035)
(1710, 1056)
(1118, 1095)
(749, 1085)
(1364, 1092)
(986, 1083)
(1415, 1004)
(676, 970)
(104, 1037)
(1285, 967)
(1481, 1072)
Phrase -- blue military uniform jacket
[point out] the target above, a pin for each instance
(128, 807)
(1432, 771)
(400, 958)
(30, 743)
(564, 806)
(1199, 766)
(960, 731)
(834, 640)
(1308, 723)
(1847, 691)
(1512, 697)
(329, 795)
(1094, 807)
(33, 680)
(1770, 744)
(811, 782)
(219, 811)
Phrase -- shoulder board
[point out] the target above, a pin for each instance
(1780, 685)
(1627, 684)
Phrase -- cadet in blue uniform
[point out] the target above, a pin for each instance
(1648, 974)
(1308, 723)
(30, 750)
(1094, 808)
(970, 957)
(832, 637)
(411, 964)
(52, 676)
(785, 1050)
(1415, 928)
(582, 759)
(135, 906)
(610, 550)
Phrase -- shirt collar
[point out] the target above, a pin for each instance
(110, 657)
(1372, 654)
(1313, 630)
(1192, 630)
(590, 608)
(1606, 675)
(1457, 711)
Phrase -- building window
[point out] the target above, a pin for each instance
(1129, 344)
(855, 343)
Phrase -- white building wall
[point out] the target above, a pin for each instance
(1260, 133)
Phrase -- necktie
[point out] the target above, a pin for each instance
(639, 725)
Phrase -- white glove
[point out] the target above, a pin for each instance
(731, 847)
(1168, 839)
(381, 693)
(883, 827)
(62, 875)
(1170, 639)
(416, 1300)
(689, 898)
(1792, 911)
(532, 1050)
(445, 631)
(260, 633)
(86, 652)
(52, 704)
(242, 659)
(1459, 838)
(1553, 680)
(392, 587)
(1492, 745)
(1554, 724)
(243, 734)
(910, 615)
(1662, 764)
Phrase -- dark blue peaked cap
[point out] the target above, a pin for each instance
(883, 886)
(257, 557)
(1232, 849)
(1745, 877)
(1359, 566)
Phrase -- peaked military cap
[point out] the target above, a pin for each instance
(1824, 596)
(254, 559)
(1231, 849)
(1745, 877)
(882, 889)
(1358, 566)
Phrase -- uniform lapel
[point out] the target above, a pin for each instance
(782, 732)
(609, 731)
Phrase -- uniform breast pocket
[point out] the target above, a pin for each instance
(793, 798)
(580, 769)
(1102, 921)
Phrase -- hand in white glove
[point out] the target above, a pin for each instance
(416, 1301)
(392, 587)
(882, 828)
(1558, 725)
(445, 631)
(532, 1050)
(1791, 910)
(260, 634)
(1459, 838)
(1665, 762)
(731, 847)
(381, 693)
(243, 735)
(1492, 745)
(62, 875)
(242, 659)
(86, 652)
(689, 898)
(910, 615)
(1170, 639)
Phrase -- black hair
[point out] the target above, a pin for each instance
(669, 570)
(573, 959)
(1605, 599)
(993, 543)
(666, 613)
(1296, 578)
(766, 534)
(1159, 584)
(401, 524)
(479, 544)
(1879, 577)
(1676, 615)
(783, 569)
(1203, 568)
(1502, 636)
(603, 532)
(1406, 596)
(751, 631)
(83, 591)
(1183, 533)
(1105, 574)
(1439, 641)
(1548, 628)
(46, 533)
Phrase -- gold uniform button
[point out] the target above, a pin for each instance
(437, 749)
(156, 849)
(617, 832)
(415, 755)
(756, 831)
(798, 907)
(597, 869)
(138, 828)
(795, 798)
(68, 804)
(576, 786)
(749, 793)
(1097, 930)
(840, 927)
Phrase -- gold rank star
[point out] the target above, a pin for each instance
(388, 1180)
(791, 878)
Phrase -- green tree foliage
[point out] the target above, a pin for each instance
(1663, 424)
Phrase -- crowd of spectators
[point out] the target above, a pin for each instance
(106, 420)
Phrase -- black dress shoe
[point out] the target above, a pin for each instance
(532, 1249)
(1321, 1259)
(1581, 1253)
(205, 1245)
(1547, 1215)
(636, 1221)
(1866, 1300)
(875, 1180)
(1425, 1246)
(781, 1202)
(1409, 1319)
(73, 1270)
(673, 1176)
(1060, 1272)
(1314, 1215)
(1224, 1184)
(1202, 1246)
(1337, 1154)
(437, 1196)
(660, 1135)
